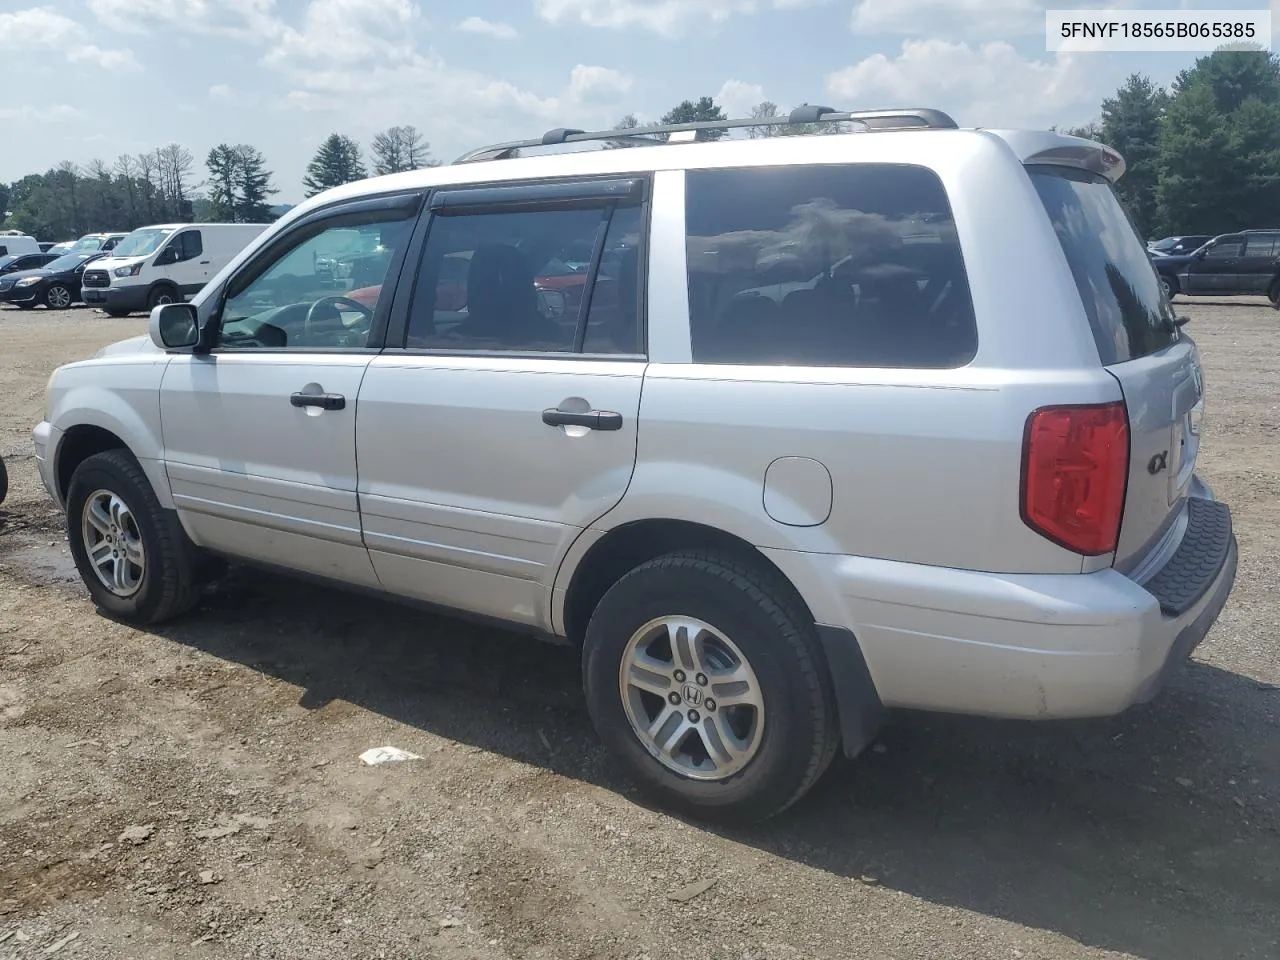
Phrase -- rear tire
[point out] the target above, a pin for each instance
(1170, 286)
(733, 615)
(1274, 294)
(115, 312)
(4, 480)
(143, 568)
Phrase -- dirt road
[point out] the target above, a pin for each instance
(195, 791)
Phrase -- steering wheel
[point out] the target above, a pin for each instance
(334, 302)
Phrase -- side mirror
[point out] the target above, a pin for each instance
(174, 326)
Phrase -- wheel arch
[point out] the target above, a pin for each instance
(98, 419)
(630, 544)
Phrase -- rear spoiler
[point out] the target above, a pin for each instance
(1048, 147)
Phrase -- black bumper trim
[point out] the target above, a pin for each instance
(1195, 565)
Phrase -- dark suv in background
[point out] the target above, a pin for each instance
(1243, 264)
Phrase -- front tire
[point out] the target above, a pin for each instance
(116, 312)
(1169, 285)
(1273, 294)
(132, 554)
(162, 294)
(755, 723)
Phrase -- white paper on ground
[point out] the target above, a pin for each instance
(376, 756)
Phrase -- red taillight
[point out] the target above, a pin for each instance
(1075, 467)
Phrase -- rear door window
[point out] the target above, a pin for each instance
(849, 265)
(1118, 286)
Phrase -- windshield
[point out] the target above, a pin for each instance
(1118, 285)
(69, 262)
(140, 243)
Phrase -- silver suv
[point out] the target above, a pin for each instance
(781, 432)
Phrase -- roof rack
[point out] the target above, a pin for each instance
(913, 118)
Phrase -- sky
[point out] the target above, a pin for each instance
(86, 79)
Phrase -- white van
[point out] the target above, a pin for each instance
(164, 263)
(12, 244)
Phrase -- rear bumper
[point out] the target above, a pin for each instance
(1024, 646)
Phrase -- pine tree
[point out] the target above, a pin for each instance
(696, 111)
(222, 162)
(335, 163)
(1131, 122)
(253, 180)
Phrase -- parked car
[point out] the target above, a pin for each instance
(164, 263)
(1177, 245)
(45, 247)
(1231, 265)
(62, 248)
(94, 242)
(764, 513)
(25, 261)
(56, 284)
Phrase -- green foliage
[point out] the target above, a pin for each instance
(1219, 150)
(239, 184)
(1131, 122)
(697, 111)
(335, 163)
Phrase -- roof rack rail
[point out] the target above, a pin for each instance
(911, 118)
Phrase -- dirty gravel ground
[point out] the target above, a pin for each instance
(195, 791)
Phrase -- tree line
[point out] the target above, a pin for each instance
(1202, 156)
(163, 185)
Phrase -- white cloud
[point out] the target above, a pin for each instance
(349, 32)
(972, 19)
(990, 85)
(598, 84)
(220, 91)
(488, 28)
(58, 112)
(246, 20)
(667, 17)
(737, 98)
(43, 29)
(119, 61)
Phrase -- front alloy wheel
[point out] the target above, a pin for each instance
(113, 543)
(692, 698)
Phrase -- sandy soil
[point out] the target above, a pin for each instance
(195, 791)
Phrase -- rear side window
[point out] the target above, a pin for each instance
(1118, 286)
(851, 265)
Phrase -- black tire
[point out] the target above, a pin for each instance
(54, 296)
(1170, 285)
(752, 607)
(4, 480)
(169, 585)
(116, 312)
(162, 294)
(1273, 294)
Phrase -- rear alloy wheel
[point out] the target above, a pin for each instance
(57, 297)
(709, 687)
